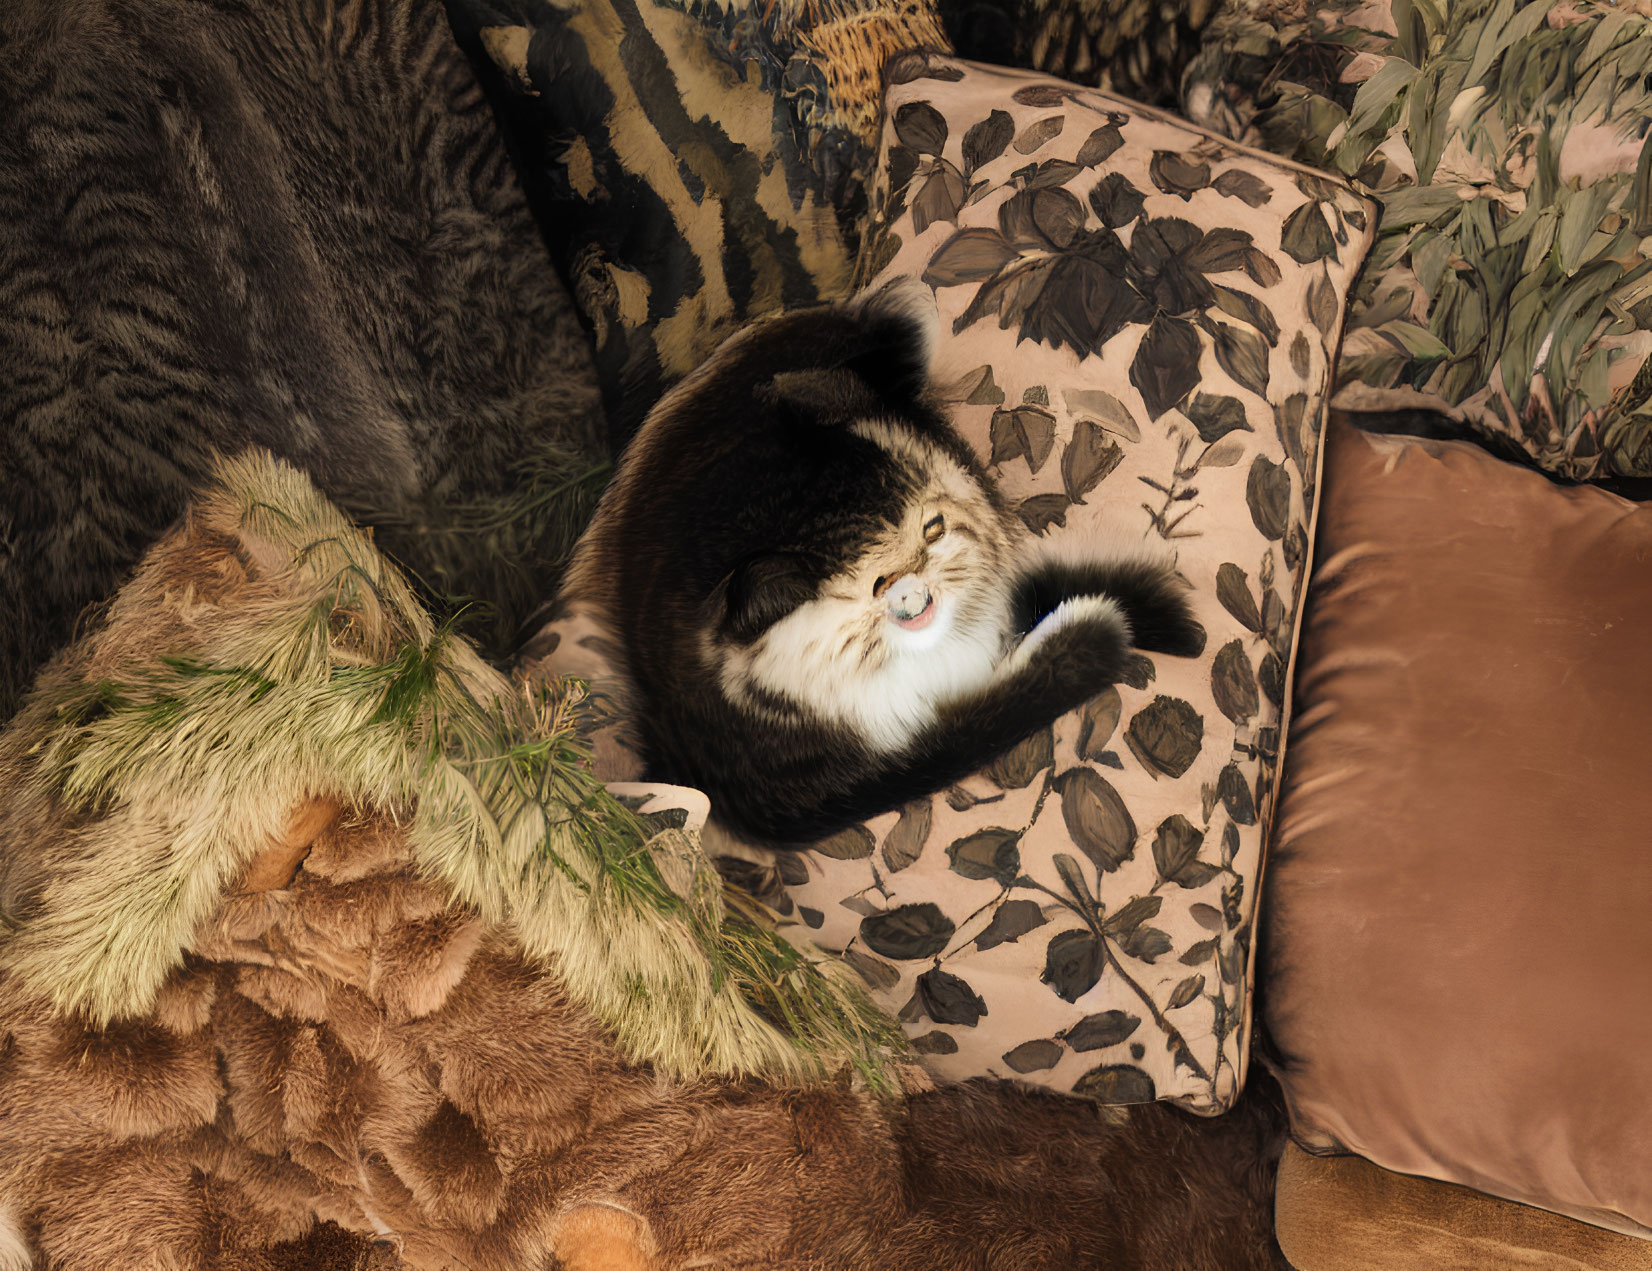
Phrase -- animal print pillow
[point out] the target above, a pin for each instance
(1140, 321)
(693, 165)
(1510, 286)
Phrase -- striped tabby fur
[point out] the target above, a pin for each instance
(287, 223)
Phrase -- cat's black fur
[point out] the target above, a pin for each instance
(282, 224)
(744, 493)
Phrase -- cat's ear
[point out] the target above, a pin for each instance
(901, 327)
(761, 590)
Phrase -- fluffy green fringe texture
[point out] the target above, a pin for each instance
(342, 686)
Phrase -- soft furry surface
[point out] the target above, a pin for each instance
(285, 223)
(267, 661)
(273, 995)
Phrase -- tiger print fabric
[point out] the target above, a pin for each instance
(693, 164)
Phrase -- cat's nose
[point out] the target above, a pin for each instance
(908, 597)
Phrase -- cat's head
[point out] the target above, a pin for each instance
(906, 575)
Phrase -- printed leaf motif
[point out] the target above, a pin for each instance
(1108, 411)
(1100, 145)
(1268, 495)
(1236, 304)
(939, 199)
(854, 844)
(1165, 736)
(811, 917)
(1131, 915)
(1306, 237)
(1218, 251)
(1012, 921)
(1033, 1056)
(1236, 184)
(1261, 268)
(878, 975)
(947, 999)
(1300, 354)
(1273, 618)
(1043, 510)
(1052, 172)
(1207, 916)
(905, 841)
(907, 932)
(1186, 991)
(793, 872)
(1072, 964)
(1087, 460)
(935, 1043)
(1166, 365)
(1176, 845)
(1233, 590)
(922, 127)
(1322, 303)
(1176, 853)
(1058, 215)
(1096, 722)
(978, 388)
(1233, 683)
(987, 854)
(1072, 878)
(970, 255)
(903, 164)
(1243, 355)
(1145, 944)
(1271, 676)
(1039, 95)
(986, 140)
(1115, 200)
(1116, 1083)
(1178, 174)
(1027, 431)
(1096, 818)
(1039, 132)
(1236, 796)
(1197, 953)
(1014, 769)
(1096, 1032)
(1215, 416)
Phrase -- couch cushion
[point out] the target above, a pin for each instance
(1459, 962)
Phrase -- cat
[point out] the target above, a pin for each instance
(816, 593)
(283, 225)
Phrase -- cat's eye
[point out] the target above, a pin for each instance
(934, 527)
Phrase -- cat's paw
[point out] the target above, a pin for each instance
(1081, 622)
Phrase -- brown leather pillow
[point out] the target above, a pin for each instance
(1458, 934)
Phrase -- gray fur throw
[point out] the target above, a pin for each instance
(274, 224)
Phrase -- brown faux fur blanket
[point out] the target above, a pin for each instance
(322, 1049)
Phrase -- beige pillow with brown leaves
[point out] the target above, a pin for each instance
(1141, 319)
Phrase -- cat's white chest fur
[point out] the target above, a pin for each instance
(885, 685)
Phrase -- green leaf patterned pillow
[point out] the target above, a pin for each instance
(1141, 318)
(1509, 144)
